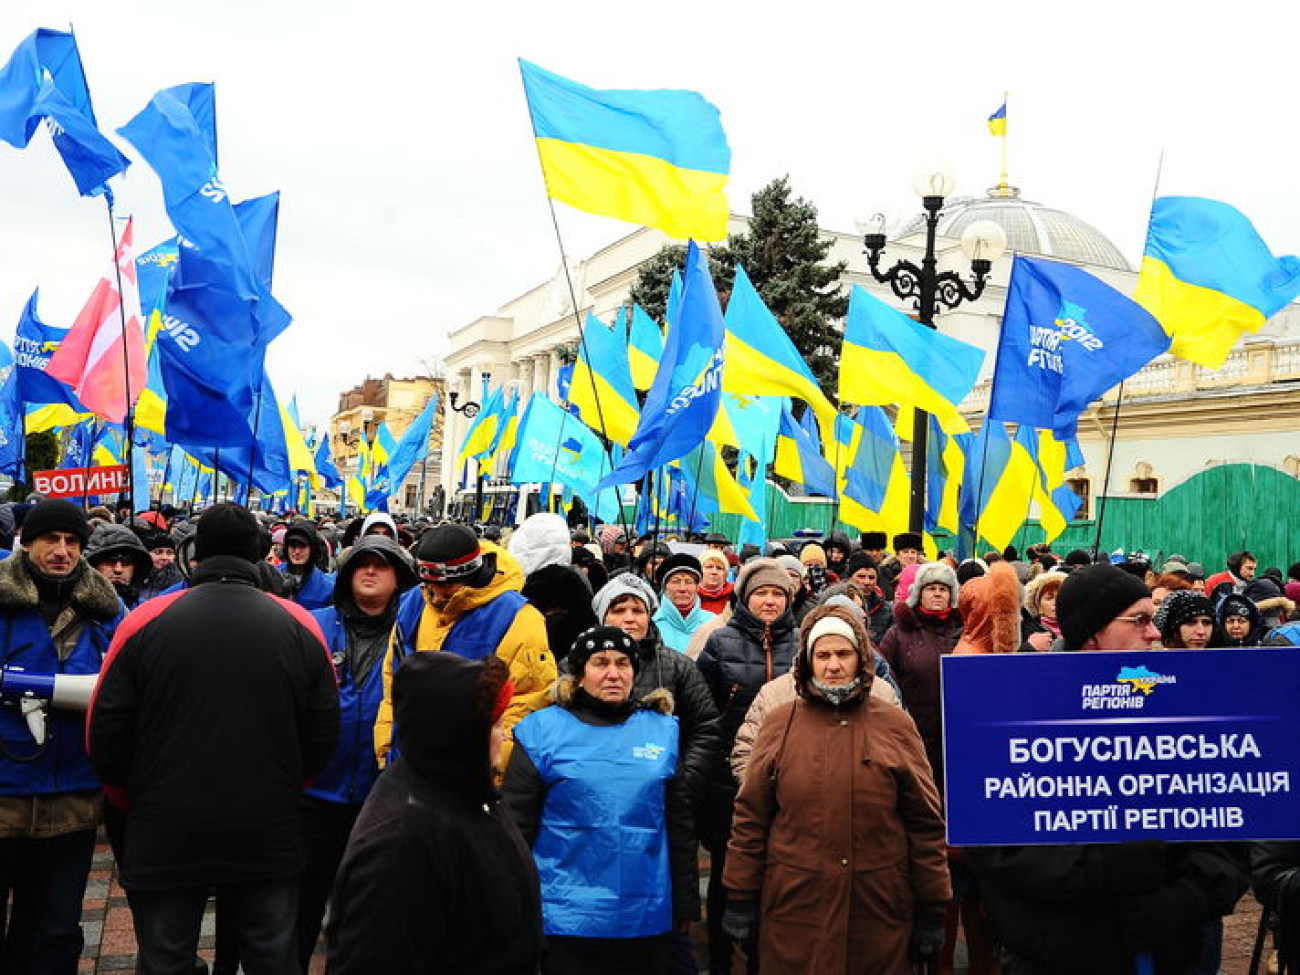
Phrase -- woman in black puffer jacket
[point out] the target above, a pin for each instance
(757, 645)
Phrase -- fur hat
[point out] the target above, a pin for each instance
(931, 573)
(762, 572)
(990, 612)
(56, 516)
(1091, 597)
(1039, 586)
(677, 562)
(908, 540)
(873, 540)
(623, 584)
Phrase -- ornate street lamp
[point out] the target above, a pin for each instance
(927, 288)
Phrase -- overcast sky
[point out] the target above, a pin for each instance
(412, 202)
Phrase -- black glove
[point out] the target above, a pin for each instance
(927, 931)
(740, 920)
(1167, 922)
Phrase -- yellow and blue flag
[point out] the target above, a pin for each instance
(601, 387)
(799, 459)
(485, 430)
(1057, 504)
(554, 446)
(1208, 277)
(645, 347)
(888, 358)
(414, 445)
(325, 466)
(658, 158)
(876, 488)
(711, 485)
(1001, 481)
(761, 358)
(683, 402)
(945, 468)
(1067, 337)
(509, 432)
(998, 121)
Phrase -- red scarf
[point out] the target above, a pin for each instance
(939, 614)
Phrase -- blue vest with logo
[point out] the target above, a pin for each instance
(602, 847)
(63, 765)
(474, 635)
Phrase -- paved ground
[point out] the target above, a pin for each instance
(110, 942)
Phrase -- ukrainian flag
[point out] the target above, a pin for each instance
(645, 347)
(888, 358)
(877, 492)
(1001, 481)
(1057, 504)
(761, 358)
(998, 121)
(800, 460)
(486, 429)
(601, 387)
(945, 468)
(1207, 277)
(712, 484)
(658, 158)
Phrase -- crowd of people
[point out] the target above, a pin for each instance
(498, 751)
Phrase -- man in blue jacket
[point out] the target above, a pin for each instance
(306, 559)
(57, 616)
(359, 628)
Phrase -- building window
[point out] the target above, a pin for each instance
(1081, 486)
(1143, 485)
(410, 497)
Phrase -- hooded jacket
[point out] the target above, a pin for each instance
(542, 539)
(315, 590)
(522, 645)
(676, 629)
(60, 774)
(109, 539)
(436, 877)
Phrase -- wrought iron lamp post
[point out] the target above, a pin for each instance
(928, 289)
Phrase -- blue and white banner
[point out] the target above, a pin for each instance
(1176, 745)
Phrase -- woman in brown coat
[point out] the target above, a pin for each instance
(836, 859)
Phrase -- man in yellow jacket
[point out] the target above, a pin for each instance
(469, 603)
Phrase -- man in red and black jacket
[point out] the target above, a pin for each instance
(213, 708)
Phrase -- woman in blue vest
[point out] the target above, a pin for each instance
(594, 786)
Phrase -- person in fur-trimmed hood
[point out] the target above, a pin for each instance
(596, 768)
(990, 612)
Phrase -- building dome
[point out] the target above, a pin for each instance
(1031, 228)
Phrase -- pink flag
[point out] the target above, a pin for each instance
(90, 359)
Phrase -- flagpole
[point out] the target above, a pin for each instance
(128, 421)
(1005, 184)
(835, 503)
(699, 466)
(1110, 456)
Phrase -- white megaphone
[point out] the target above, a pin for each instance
(37, 693)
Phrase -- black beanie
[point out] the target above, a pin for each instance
(1179, 607)
(56, 516)
(1091, 597)
(859, 561)
(678, 562)
(595, 640)
(451, 553)
(227, 528)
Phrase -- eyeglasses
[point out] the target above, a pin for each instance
(1141, 620)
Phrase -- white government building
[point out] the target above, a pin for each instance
(1176, 419)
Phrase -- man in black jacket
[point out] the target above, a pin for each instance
(214, 705)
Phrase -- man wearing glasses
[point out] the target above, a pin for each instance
(1104, 608)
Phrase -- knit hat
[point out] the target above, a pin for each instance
(824, 620)
(597, 639)
(812, 554)
(1179, 607)
(831, 624)
(1235, 604)
(156, 540)
(971, 569)
(792, 564)
(908, 540)
(623, 584)
(1078, 557)
(679, 562)
(55, 516)
(451, 553)
(763, 572)
(859, 561)
(873, 540)
(379, 518)
(227, 528)
(1174, 566)
(1091, 598)
(932, 573)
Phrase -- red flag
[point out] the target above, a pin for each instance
(90, 359)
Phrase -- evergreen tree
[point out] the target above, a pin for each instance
(783, 254)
